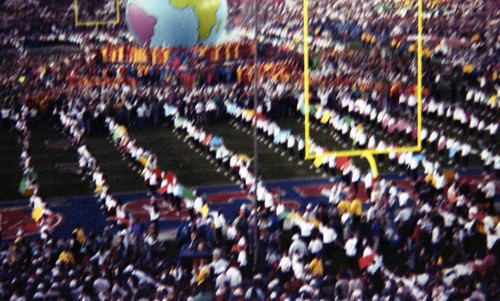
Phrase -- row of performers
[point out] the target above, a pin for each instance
(127, 53)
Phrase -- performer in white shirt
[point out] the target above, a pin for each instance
(356, 177)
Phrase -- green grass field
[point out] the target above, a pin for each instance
(10, 171)
(191, 167)
(322, 137)
(55, 161)
(272, 165)
(119, 174)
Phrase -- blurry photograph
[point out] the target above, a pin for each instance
(240, 150)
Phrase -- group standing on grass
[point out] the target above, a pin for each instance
(435, 240)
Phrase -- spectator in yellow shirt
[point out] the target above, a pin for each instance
(343, 206)
(316, 266)
(80, 235)
(356, 207)
(66, 256)
(355, 210)
(203, 274)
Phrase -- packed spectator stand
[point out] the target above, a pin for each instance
(437, 239)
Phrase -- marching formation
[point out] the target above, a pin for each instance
(435, 235)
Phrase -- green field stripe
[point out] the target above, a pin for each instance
(321, 138)
(47, 154)
(9, 192)
(64, 189)
(10, 177)
(120, 177)
(272, 165)
(10, 167)
(7, 164)
(9, 146)
(191, 167)
(54, 183)
(10, 171)
(54, 176)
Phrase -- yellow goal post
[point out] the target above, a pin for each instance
(97, 22)
(368, 153)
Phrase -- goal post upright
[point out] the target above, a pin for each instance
(367, 153)
(97, 22)
(306, 82)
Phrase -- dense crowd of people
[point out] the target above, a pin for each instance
(437, 238)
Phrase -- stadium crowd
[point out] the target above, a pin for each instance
(401, 226)
(435, 239)
(332, 251)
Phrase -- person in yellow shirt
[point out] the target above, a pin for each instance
(66, 256)
(80, 234)
(356, 207)
(355, 210)
(239, 74)
(343, 206)
(204, 273)
(316, 266)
